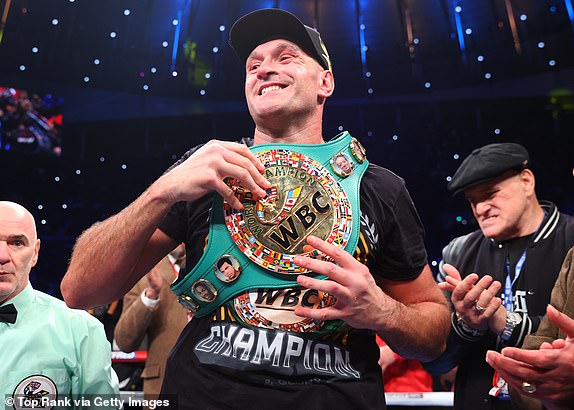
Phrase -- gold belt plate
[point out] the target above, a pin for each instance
(305, 199)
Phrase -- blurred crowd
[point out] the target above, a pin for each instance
(30, 123)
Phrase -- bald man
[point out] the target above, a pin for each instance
(49, 351)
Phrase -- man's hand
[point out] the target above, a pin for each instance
(359, 301)
(550, 369)
(475, 300)
(155, 283)
(411, 316)
(205, 170)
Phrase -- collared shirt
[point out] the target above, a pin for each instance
(60, 347)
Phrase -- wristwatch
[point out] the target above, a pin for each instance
(513, 319)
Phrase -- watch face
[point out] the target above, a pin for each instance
(512, 320)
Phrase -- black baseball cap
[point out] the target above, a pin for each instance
(264, 25)
(486, 163)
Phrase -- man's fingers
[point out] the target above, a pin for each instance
(513, 371)
(452, 281)
(228, 195)
(323, 314)
(561, 320)
(446, 286)
(477, 290)
(492, 307)
(541, 359)
(451, 271)
(339, 255)
(327, 286)
(462, 289)
(488, 298)
(328, 269)
(230, 159)
(246, 171)
(499, 362)
(466, 284)
(558, 344)
(246, 152)
(249, 178)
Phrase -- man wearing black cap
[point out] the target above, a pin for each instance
(296, 326)
(499, 277)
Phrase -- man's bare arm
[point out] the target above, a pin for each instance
(111, 256)
(420, 324)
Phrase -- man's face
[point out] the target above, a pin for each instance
(343, 164)
(499, 205)
(18, 249)
(203, 292)
(281, 79)
(228, 270)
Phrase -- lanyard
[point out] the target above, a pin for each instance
(507, 299)
(508, 284)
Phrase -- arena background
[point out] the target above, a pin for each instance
(420, 83)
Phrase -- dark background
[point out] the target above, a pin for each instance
(118, 136)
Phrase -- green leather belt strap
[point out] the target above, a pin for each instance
(220, 241)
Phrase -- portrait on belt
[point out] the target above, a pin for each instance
(227, 268)
(204, 290)
(342, 164)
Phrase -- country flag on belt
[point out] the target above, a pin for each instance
(292, 196)
(271, 195)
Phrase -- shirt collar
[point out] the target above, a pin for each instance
(22, 299)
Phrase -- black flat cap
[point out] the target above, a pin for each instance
(264, 25)
(486, 163)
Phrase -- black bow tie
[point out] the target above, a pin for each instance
(8, 313)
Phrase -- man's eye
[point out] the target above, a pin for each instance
(18, 243)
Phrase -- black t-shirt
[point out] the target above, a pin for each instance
(229, 360)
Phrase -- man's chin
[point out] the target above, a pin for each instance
(6, 291)
(490, 231)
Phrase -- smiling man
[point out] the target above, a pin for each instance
(326, 260)
(499, 277)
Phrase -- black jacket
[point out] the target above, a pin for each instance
(545, 252)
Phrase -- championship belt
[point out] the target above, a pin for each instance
(315, 191)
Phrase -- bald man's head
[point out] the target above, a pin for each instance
(19, 247)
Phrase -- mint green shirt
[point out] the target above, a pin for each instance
(51, 342)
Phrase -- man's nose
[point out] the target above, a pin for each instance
(4, 254)
(266, 66)
(481, 207)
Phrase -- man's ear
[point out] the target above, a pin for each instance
(36, 252)
(327, 85)
(528, 180)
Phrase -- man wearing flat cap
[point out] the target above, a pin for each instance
(324, 259)
(499, 278)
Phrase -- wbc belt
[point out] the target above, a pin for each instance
(315, 191)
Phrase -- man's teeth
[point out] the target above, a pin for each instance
(272, 88)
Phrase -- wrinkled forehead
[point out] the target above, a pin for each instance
(276, 45)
